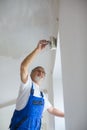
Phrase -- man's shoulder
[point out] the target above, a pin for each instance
(28, 82)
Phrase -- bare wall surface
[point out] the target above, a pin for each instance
(73, 39)
(58, 88)
(22, 24)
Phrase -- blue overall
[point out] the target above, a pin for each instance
(29, 118)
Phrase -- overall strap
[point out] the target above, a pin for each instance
(41, 93)
(32, 90)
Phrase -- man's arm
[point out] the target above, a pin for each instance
(55, 111)
(28, 60)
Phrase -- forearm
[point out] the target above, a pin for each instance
(56, 112)
(28, 60)
(41, 45)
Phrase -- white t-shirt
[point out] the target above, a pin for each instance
(24, 93)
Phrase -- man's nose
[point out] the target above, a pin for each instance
(41, 73)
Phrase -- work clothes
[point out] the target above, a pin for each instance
(29, 118)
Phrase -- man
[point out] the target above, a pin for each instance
(31, 102)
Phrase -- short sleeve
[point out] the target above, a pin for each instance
(23, 94)
(28, 83)
(47, 103)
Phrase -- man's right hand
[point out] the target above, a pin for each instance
(42, 44)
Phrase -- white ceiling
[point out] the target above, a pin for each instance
(23, 23)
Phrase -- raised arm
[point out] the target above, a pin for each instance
(28, 60)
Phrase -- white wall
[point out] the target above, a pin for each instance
(9, 85)
(58, 88)
(22, 24)
(73, 42)
(10, 82)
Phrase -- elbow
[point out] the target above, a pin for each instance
(22, 67)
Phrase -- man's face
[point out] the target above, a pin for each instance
(38, 75)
